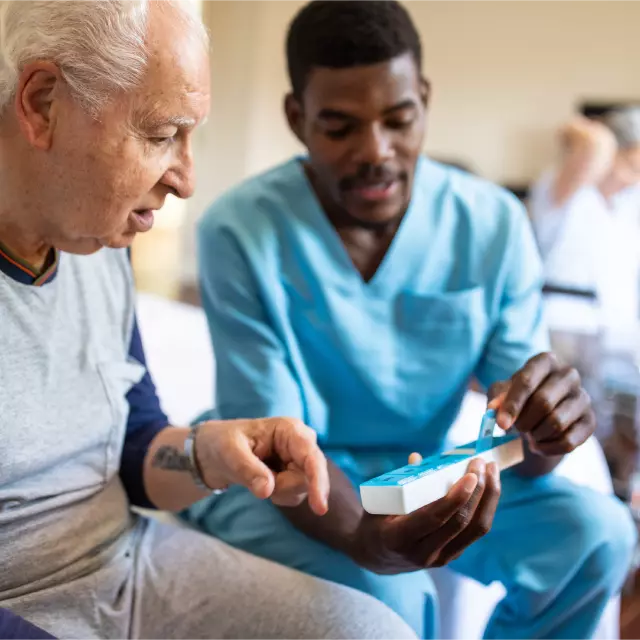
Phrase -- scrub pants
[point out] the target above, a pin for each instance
(560, 550)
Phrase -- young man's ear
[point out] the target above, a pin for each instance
(425, 91)
(295, 116)
(35, 102)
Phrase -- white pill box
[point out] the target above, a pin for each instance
(413, 486)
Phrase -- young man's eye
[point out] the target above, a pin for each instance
(338, 134)
(399, 124)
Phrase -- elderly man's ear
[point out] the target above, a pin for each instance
(36, 102)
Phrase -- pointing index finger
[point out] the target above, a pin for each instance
(305, 453)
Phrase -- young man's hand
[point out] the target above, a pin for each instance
(547, 404)
(434, 535)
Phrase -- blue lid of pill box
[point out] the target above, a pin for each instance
(411, 472)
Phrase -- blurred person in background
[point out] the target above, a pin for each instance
(586, 216)
(98, 104)
(359, 288)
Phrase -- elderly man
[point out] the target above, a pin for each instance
(98, 102)
(364, 286)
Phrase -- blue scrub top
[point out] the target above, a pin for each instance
(377, 368)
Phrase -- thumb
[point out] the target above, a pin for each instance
(247, 469)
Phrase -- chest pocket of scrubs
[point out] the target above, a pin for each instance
(439, 341)
(117, 378)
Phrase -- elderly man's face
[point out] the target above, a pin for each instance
(105, 178)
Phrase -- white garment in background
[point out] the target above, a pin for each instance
(592, 245)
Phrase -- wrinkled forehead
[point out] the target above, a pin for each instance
(177, 74)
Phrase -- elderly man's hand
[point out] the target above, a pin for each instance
(547, 404)
(275, 458)
(436, 534)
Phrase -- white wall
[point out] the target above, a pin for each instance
(504, 74)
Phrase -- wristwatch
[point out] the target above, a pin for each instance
(190, 452)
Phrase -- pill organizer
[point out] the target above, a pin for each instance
(406, 489)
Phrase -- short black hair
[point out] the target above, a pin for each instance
(346, 33)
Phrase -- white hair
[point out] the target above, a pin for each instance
(98, 45)
(625, 124)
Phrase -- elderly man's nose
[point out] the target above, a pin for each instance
(181, 178)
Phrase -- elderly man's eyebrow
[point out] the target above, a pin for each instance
(157, 122)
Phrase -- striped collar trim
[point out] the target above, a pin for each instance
(21, 271)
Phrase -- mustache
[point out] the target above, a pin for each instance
(368, 174)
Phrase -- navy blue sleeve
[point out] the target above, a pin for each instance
(146, 420)
(13, 626)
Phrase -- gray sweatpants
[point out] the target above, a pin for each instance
(171, 582)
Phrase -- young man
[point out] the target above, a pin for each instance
(98, 103)
(586, 215)
(363, 286)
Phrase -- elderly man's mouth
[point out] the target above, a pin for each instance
(142, 219)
